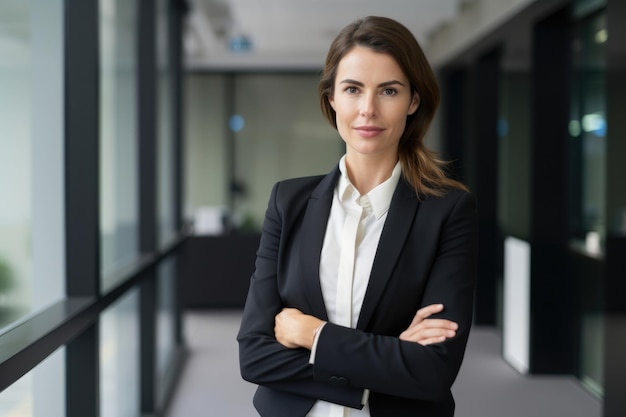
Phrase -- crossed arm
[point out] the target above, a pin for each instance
(294, 329)
(274, 341)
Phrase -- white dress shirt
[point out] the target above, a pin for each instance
(354, 227)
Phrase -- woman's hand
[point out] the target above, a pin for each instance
(294, 329)
(427, 331)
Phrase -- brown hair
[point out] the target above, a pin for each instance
(420, 166)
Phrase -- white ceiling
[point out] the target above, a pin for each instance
(292, 34)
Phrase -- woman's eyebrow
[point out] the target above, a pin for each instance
(360, 84)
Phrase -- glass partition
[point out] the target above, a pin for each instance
(588, 184)
(119, 358)
(32, 269)
(118, 136)
(282, 134)
(270, 128)
(514, 131)
(166, 324)
(165, 127)
(206, 164)
(39, 393)
(588, 137)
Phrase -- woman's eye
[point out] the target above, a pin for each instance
(351, 90)
(390, 92)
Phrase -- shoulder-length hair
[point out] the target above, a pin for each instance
(420, 166)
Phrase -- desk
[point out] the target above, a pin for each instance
(216, 270)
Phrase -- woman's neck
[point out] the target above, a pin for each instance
(367, 172)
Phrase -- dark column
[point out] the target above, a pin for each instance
(83, 374)
(147, 155)
(82, 203)
(454, 127)
(615, 328)
(485, 143)
(553, 322)
(180, 8)
(179, 11)
(615, 282)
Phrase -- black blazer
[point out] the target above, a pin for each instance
(427, 254)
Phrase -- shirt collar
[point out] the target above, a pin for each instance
(379, 198)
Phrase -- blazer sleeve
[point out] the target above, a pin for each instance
(385, 364)
(263, 360)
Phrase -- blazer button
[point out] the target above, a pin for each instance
(339, 381)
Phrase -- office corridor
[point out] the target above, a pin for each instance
(487, 386)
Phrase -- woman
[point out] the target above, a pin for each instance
(361, 301)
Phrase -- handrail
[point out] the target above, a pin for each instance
(27, 344)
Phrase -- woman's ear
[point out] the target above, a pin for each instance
(415, 103)
(331, 101)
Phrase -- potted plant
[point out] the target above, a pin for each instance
(6, 277)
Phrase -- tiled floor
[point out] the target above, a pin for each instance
(486, 387)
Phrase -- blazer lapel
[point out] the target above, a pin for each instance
(312, 238)
(395, 231)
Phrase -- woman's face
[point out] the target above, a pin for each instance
(372, 99)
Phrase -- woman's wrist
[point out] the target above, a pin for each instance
(313, 335)
(317, 330)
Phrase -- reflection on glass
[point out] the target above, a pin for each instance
(165, 152)
(118, 135)
(31, 152)
(587, 148)
(588, 137)
(119, 358)
(592, 366)
(15, 162)
(514, 152)
(39, 393)
(166, 315)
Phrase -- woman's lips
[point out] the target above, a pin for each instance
(368, 131)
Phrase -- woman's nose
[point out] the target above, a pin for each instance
(368, 106)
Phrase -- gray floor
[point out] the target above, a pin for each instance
(486, 387)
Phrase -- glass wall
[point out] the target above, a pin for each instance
(118, 136)
(514, 153)
(588, 136)
(587, 175)
(514, 202)
(119, 358)
(165, 127)
(69, 93)
(270, 128)
(39, 393)
(283, 135)
(166, 203)
(206, 162)
(31, 157)
(165, 323)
